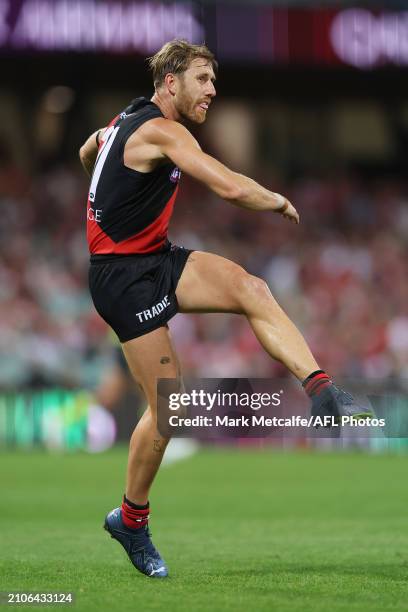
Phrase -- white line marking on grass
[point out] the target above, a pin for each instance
(178, 449)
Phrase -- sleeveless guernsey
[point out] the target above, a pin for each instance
(128, 212)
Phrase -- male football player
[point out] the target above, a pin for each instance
(138, 280)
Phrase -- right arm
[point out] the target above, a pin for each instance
(89, 151)
(174, 141)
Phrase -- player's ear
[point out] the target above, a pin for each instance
(170, 83)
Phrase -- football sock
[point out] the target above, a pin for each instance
(316, 382)
(134, 516)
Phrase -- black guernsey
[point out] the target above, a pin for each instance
(129, 211)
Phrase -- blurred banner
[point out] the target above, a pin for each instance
(91, 25)
(229, 411)
(55, 419)
(239, 32)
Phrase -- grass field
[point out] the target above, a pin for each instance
(240, 530)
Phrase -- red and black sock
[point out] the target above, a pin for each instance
(134, 516)
(316, 382)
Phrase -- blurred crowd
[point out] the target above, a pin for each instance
(341, 275)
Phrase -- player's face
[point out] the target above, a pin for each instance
(195, 91)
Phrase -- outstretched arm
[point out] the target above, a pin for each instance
(89, 151)
(174, 141)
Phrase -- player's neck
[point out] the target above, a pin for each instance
(166, 106)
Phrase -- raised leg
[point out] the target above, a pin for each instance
(211, 283)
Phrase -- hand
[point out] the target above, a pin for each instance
(286, 209)
(290, 213)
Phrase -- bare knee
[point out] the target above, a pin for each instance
(254, 293)
(160, 407)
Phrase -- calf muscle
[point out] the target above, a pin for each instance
(149, 357)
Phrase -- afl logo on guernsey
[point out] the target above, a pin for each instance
(175, 175)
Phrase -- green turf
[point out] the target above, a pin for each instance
(240, 530)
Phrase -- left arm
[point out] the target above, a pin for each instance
(89, 151)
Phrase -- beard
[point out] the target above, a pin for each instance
(189, 110)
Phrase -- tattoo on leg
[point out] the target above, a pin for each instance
(165, 359)
(158, 446)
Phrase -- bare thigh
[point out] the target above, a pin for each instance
(150, 357)
(210, 283)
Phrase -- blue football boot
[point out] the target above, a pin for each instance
(137, 544)
(337, 403)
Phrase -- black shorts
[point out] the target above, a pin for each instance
(135, 294)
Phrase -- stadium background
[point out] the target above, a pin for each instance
(312, 102)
